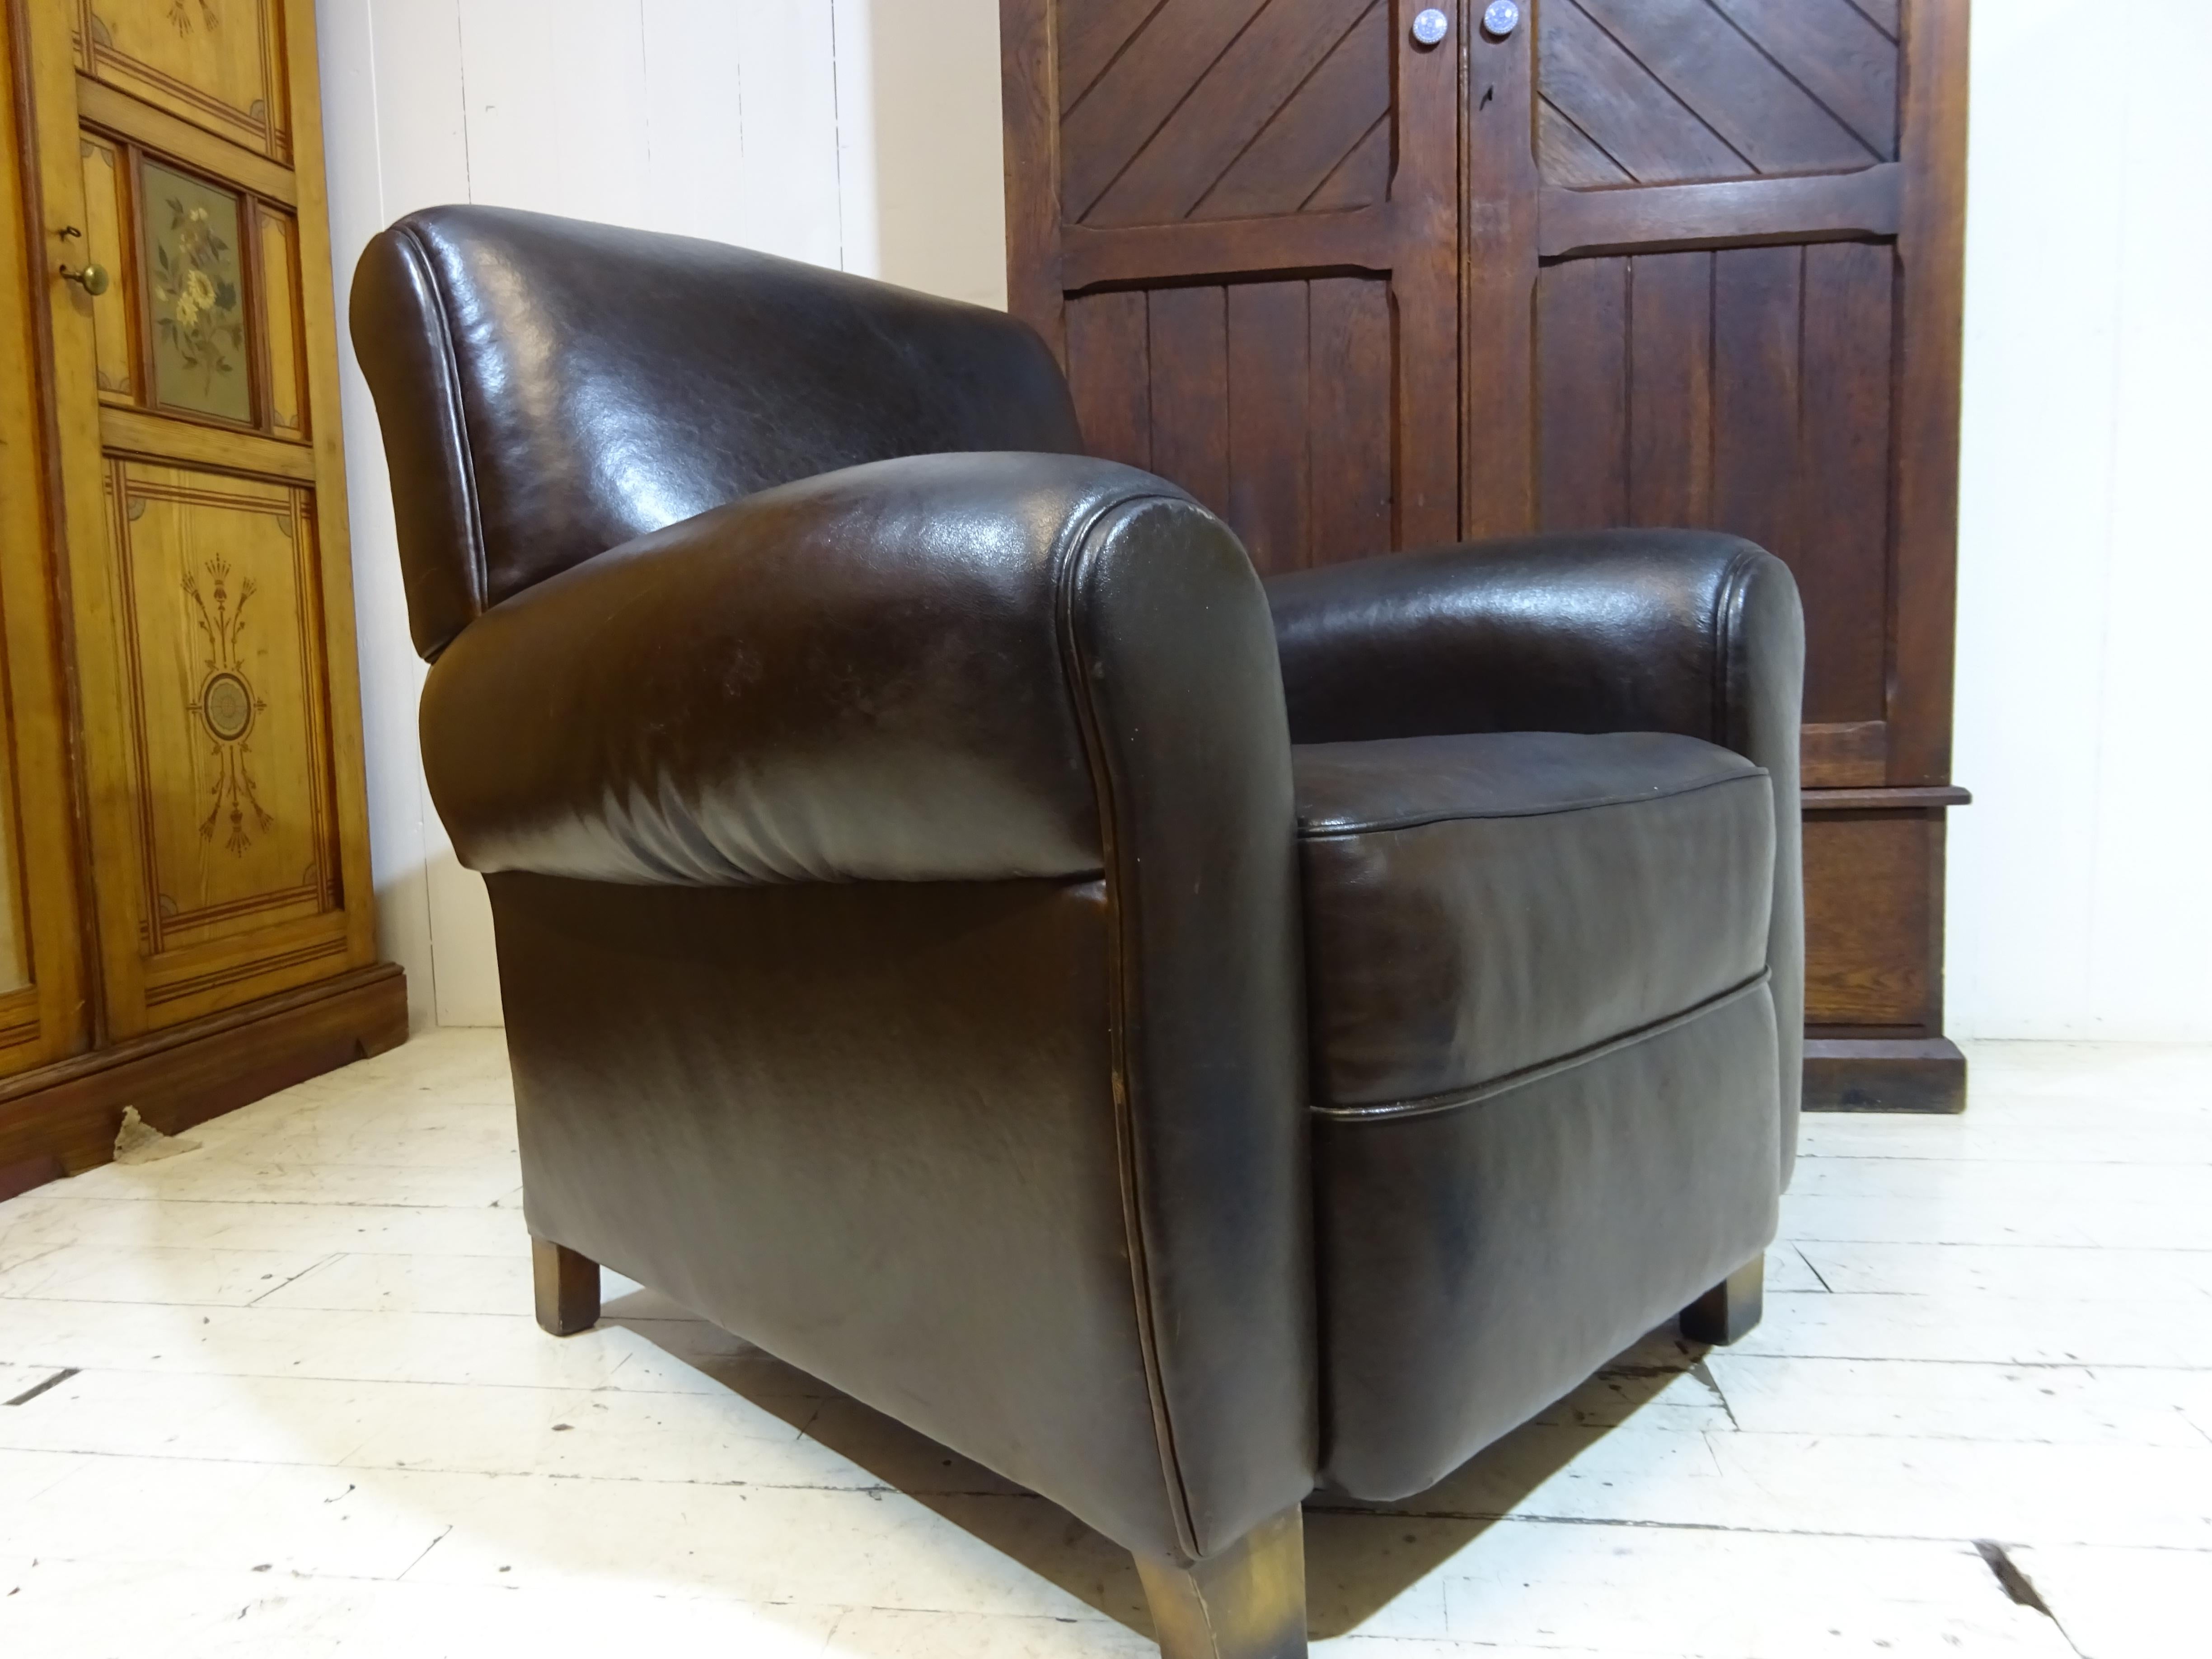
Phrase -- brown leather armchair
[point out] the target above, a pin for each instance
(1175, 1039)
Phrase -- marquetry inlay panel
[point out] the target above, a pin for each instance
(218, 64)
(227, 689)
(204, 319)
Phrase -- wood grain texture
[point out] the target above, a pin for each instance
(203, 529)
(1738, 213)
(1931, 278)
(1109, 371)
(223, 67)
(1844, 755)
(1714, 70)
(1277, 191)
(1189, 377)
(1498, 290)
(1288, 46)
(1582, 352)
(46, 994)
(1841, 554)
(1029, 59)
(1269, 432)
(1670, 412)
(1872, 921)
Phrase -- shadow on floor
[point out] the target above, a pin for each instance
(1359, 1557)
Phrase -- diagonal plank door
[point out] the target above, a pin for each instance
(1244, 247)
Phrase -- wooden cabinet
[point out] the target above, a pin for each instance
(1626, 262)
(192, 921)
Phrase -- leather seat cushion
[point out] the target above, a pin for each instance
(1481, 906)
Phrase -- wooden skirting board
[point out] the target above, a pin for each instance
(62, 1119)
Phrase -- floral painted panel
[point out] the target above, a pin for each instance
(196, 293)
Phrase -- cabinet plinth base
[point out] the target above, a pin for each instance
(62, 1119)
(1878, 1074)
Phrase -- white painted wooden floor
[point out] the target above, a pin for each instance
(307, 1412)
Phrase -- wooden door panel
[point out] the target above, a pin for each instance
(45, 999)
(228, 691)
(1269, 401)
(217, 64)
(1261, 128)
(284, 350)
(109, 243)
(1745, 390)
(201, 484)
(1673, 91)
(1247, 257)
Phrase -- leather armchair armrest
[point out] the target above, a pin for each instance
(965, 667)
(1615, 630)
(857, 676)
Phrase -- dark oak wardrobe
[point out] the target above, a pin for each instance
(1576, 263)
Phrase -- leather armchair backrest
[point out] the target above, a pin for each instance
(549, 389)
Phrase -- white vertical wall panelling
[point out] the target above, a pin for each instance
(2080, 895)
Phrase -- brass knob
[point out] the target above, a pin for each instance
(92, 279)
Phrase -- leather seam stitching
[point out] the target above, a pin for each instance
(1383, 826)
(479, 561)
(1433, 1105)
(1074, 557)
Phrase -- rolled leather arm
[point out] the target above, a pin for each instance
(1615, 630)
(857, 676)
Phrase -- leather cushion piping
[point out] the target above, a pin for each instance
(1429, 1105)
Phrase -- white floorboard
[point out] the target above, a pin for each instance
(302, 1409)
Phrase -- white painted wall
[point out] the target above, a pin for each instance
(2081, 883)
(863, 133)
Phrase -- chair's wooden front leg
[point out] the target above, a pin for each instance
(1728, 1312)
(567, 1286)
(1248, 1602)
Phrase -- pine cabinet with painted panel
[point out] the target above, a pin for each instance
(173, 367)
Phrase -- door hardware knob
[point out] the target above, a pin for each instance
(92, 279)
(1500, 18)
(1430, 26)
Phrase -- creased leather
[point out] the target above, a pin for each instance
(855, 677)
(1477, 905)
(549, 389)
(1620, 630)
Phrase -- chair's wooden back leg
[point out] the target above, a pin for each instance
(567, 1286)
(1727, 1312)
(1248, 1602)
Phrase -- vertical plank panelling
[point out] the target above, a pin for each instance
(1756, 306)
(1497, 489)
(1671, 409)
(1189, 349)
(1268, 465)
(1350, 419)
(1842, 558)
(1581, 354)
(1108, 372)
